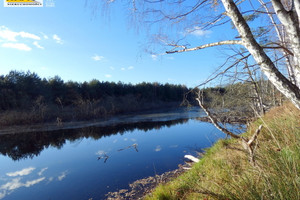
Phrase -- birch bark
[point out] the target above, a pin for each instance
(290, 21)
(286, 87)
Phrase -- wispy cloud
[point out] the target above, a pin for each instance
(16, 183)
(9, 35)
(158, 148)
(170, 58)
(197, 31)
(40, 173)
(12, 185)
(35, 43)
(112, 68)
(22, 172)
(97, 57)
(57, 39)
(154, 57)
(128, 68)
(2, 195)
(18, 46)
(33, 182)
(108, 75)
(62, 176)
(45, 36)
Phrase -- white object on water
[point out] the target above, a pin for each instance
(192, 158)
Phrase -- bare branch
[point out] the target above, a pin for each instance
(226, 42)
(214, 120)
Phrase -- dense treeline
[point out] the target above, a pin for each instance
(28, 98)
(25, 98)
(20, 90)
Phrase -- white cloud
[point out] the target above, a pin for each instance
(40, 173)
(22, 172)
(158, 148)
(11, 36)
(50, 179)
(128, 68)
(12, 185)
(57, 39)
(197, 31)
(19, 46)
(108, 75)
(62, 176)
(45, 36)
(15, 184)
(35, 43)
(33, 182)
(2, 195)
(112, 68)
(154, 57)
(29, 35)
(97, 57)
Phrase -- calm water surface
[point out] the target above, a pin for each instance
(92, 161)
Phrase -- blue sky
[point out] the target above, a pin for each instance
(70, 41)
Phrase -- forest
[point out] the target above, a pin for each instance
(25, 98)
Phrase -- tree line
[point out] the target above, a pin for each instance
(21, 90)
(26, 98)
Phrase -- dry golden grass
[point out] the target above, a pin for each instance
(226, 173)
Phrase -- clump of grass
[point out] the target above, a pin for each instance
(226, 173)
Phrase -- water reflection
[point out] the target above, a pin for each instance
(18, 181)
(29, 145)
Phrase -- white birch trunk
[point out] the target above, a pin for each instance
(286, 87)
(281, 37)
(290, 21)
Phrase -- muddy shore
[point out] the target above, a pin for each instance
(139, 188)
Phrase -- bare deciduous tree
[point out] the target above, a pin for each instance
(283, 17)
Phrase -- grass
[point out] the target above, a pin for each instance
(224, 172)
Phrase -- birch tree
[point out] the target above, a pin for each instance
(283, 14)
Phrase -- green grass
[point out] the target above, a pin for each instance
(224, 172)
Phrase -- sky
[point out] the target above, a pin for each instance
(79, 43)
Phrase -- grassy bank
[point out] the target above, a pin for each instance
(224, 172)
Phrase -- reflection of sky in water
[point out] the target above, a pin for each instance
(78, 170)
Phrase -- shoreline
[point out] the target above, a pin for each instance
(115, 120)
(141, 187)
(158, 115)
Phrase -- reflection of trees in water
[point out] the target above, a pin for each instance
(28, 145)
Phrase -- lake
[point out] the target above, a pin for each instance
(88, 162)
